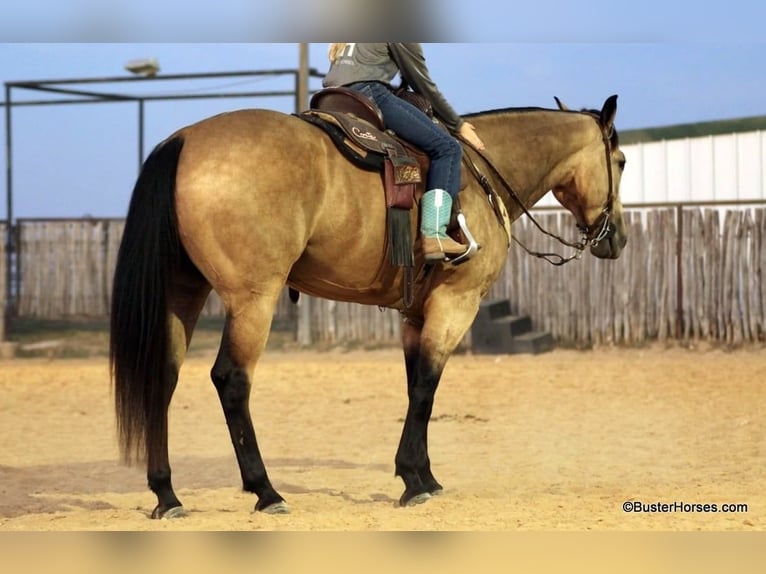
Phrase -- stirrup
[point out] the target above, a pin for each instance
(473, 246)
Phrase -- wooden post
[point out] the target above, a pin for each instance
(679, 270)
(303, 334)
(302, 79)
(8, 254)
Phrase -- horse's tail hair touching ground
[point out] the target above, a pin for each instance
(139, 345)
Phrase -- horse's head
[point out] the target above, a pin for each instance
(592, 191)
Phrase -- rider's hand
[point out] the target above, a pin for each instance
(468, 133)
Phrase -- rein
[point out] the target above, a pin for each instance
(589, 235)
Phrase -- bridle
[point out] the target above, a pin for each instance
(600, 229)
(590, 235)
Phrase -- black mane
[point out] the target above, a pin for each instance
(508, 110)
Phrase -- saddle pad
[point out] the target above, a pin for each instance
(356, 155)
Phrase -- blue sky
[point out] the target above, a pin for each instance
(552, 21)
(82, 159)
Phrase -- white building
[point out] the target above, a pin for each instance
(716, 167)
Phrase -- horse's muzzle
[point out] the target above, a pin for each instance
(611, 245)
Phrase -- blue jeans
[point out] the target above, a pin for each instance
(412, 125)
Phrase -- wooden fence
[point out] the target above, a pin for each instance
(710, 285)
(689, 273)
(65, 267)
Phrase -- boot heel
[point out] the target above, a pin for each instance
(432, 257)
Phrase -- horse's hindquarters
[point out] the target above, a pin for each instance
(263, 195)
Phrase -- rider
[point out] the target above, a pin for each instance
(369, 69)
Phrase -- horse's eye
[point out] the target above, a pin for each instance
(621, 164)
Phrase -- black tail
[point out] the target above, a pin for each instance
(139, 345)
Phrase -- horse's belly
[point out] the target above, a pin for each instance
(370, 280)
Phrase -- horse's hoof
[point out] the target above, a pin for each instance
(175, 512)
(417, 499)
(276, 508)
(437, 491)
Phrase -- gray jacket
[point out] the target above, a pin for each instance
(381, 62)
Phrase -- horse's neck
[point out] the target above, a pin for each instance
(530, 148)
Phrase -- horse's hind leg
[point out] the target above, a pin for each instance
(244, 338)
(185, 307)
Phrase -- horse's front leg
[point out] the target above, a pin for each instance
(412, 462)
(426, 350)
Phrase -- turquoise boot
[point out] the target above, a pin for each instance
(435, 212)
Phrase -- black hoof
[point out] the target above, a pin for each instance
(409, 499)
(276, 508)
(168, 513)
(433, 487)
(272, 504)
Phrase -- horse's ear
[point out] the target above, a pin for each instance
(562, 106)
(609, 111)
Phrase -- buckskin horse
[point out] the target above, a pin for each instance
(249, 201)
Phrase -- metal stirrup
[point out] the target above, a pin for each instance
(473, 246)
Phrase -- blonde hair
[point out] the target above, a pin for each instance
(335, 50)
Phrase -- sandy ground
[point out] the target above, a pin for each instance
(558, 441)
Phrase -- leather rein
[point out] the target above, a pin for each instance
(590, 235)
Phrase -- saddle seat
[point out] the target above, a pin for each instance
(356, 126)
(348, 101)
